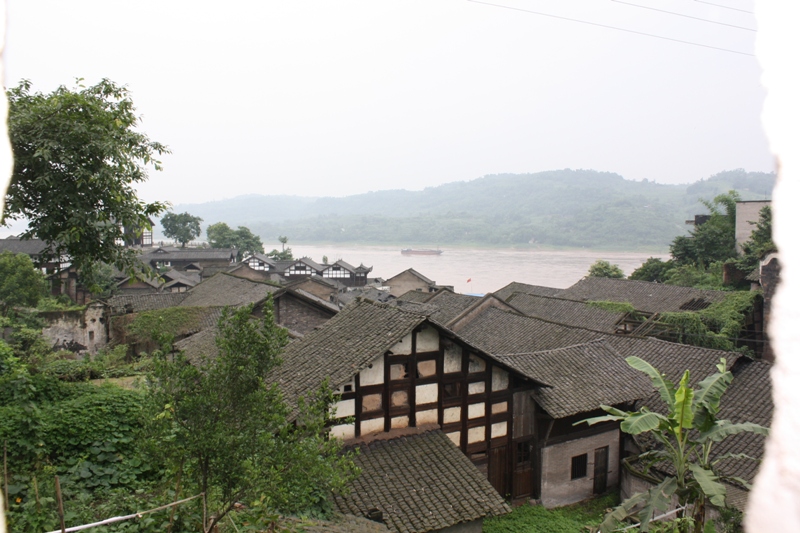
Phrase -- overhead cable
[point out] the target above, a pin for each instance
(611, 27)
(725, 7)
(683, 15)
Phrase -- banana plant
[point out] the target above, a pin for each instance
(685, 437)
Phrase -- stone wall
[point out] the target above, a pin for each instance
(81, 332)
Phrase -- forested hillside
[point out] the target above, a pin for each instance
(560, 208)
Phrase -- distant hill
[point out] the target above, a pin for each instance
(583, 208)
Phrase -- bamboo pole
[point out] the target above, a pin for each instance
(60, 505)
(122, 518)
(177, 495)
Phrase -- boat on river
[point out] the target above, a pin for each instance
(420, 251)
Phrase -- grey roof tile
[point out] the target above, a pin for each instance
(525, 288)
(580, 378)
(420, 483)
(568, 312)
(224, 289)
(644, 296)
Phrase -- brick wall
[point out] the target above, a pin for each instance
(299, 316)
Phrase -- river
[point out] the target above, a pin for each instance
(488, 269)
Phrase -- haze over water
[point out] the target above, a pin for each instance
(489, 269)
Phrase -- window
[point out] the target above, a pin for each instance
(579, 463)
(524, 452)
(451, 390)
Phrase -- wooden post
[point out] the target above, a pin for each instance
(177, 495)
(60, 506)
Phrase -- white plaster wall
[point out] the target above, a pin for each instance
(403, 346)
(399, 422)
(476, 410)
(499, 379)
(431, 416)
(476, 364)
(373, 374)
(427, 393)
(477, 434)
(345, 408)
(499, 429)
(501, 407)
(455, 437)
(774, 504)
(343, 431)
(428, 340)
(452, 359)
(452, 414)
(374, 425)
(478, 387)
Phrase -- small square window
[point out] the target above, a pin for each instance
(579, 463)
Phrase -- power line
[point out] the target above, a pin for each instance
(724, 7)
(683, 15)
(611, 27)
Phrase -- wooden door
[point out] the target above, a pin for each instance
(498, 469)
(600, 470)
(523, 470)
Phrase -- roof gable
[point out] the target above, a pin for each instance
(569, 312)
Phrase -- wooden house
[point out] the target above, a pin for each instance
(396, 369)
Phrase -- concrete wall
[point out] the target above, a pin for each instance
(746, 212)
(557, 487)
(404, 282)
(82, 332)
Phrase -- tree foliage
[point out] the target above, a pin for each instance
(20, 282)
(654, 269)
(760, 242)
(77, 157)
(604, 269)
(219, 422)
(182, 227)
(685, 437)
(285, 254)
(220, 235)
(714, 240)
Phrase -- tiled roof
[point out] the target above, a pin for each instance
(420, 483)
(202, 343)
(16, 245)
(414, 273)
(581, 378)
(645, 296)
(748, 399)
(370, 293)
(502, 332)
(226, 290)
(189, 254)
(569, 312)
(337, 524)
(671, 358)
(135, 303)
(516, 286)
(415, 296)
(346, 344)
(449, 305)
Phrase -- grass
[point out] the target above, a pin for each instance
(536, 519)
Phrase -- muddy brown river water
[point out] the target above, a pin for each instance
(488, 268)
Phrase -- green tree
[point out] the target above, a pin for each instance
(220, 235)
(654, 269)
(217, 420)
(182, 227)
(285, 254)
(77, 157)
(760, 242)
(21, 284)
(715, 240)
(685, 437)
(604, 269)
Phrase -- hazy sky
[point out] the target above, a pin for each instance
(336, 97)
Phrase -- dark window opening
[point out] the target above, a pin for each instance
(579, 464)
(451, 390)
(348, 388)
(523, 452)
